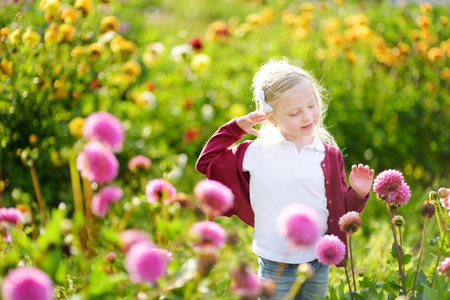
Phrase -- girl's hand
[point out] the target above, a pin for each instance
(360, 179)
(247, 122)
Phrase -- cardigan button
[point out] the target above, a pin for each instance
(323, 165)
(329, 202)
(327, 182)
(331, 220)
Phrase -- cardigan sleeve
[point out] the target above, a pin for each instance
(353, 202)
(218, 145)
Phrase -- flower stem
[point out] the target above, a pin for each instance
(399, 254)
(296, 286)
(351, 259)
(439, 258)
(37, 190)
(87, 190)
(420, 256)
(348, 280)
(77, 199)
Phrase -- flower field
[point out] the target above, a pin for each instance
(106, 105)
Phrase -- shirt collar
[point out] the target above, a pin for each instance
(317, 144)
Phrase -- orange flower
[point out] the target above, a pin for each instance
(4, 32)
(6, 67)
(122, 45)
(350, 56)
(423, 21)
(425, 7)
(77, 52)
(404, 49)
(356, 20)
(430, 86)
(217, 30)
(51, 36)
(69, 15)
(109, 23)
(435, 54)
(336, 39)
(443, 20)
(67, 32)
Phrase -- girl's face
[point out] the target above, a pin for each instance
(296, 113)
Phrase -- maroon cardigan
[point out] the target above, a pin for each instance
(219, 161)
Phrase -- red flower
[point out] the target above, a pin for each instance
(94, 83)
(190, 135)
(196, 43)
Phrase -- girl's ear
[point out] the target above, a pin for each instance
(271, 119)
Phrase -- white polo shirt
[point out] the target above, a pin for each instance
(280, 176)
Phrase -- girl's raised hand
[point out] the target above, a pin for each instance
(360, 179)
(247, 122)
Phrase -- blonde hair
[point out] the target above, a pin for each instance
(276, 77)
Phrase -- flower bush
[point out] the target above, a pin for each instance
(119, 94)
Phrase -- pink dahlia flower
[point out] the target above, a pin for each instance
(330, 250)
(97, 163)
(388, 183)
(105, 128)
(207, 233)
(129, 237)
(244, 283)
(158, 188)
(444, 268)
(10, 215)
(139, 162)
(350, 222)
(403, 195)
(299, 225)
(213, 197)
(103, 199)
(27, 283)
(146, 263)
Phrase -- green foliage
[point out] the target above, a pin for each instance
(385, 70)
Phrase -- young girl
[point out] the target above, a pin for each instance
(293, 160)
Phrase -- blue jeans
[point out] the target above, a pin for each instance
(284, 276)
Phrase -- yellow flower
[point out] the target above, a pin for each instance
(67, 32)
(425, 7)
(445, 74)
(268, 15)
(336, 39)
(152, 53)
(200, 62)
(254, 19)
(83, 68)
(306, 6)
(350, 56)
(445, 46)
(95, 51)
(33, 139)
(109, 23)
(237, 110)
(6, 67)
(404, 49)
(14, 37)
(50, 7)
(121, 45)
(77, 52)
(51, 36)
(356, 20)
(331, 25)
(443, 20)
(4, 32)
(69, 15)
(435, 54)
(423, 21)
(76, 127)
(132, 69)
(54, 157)
(217, 31)
(84, 6)
(61, 93)
(31, 38)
